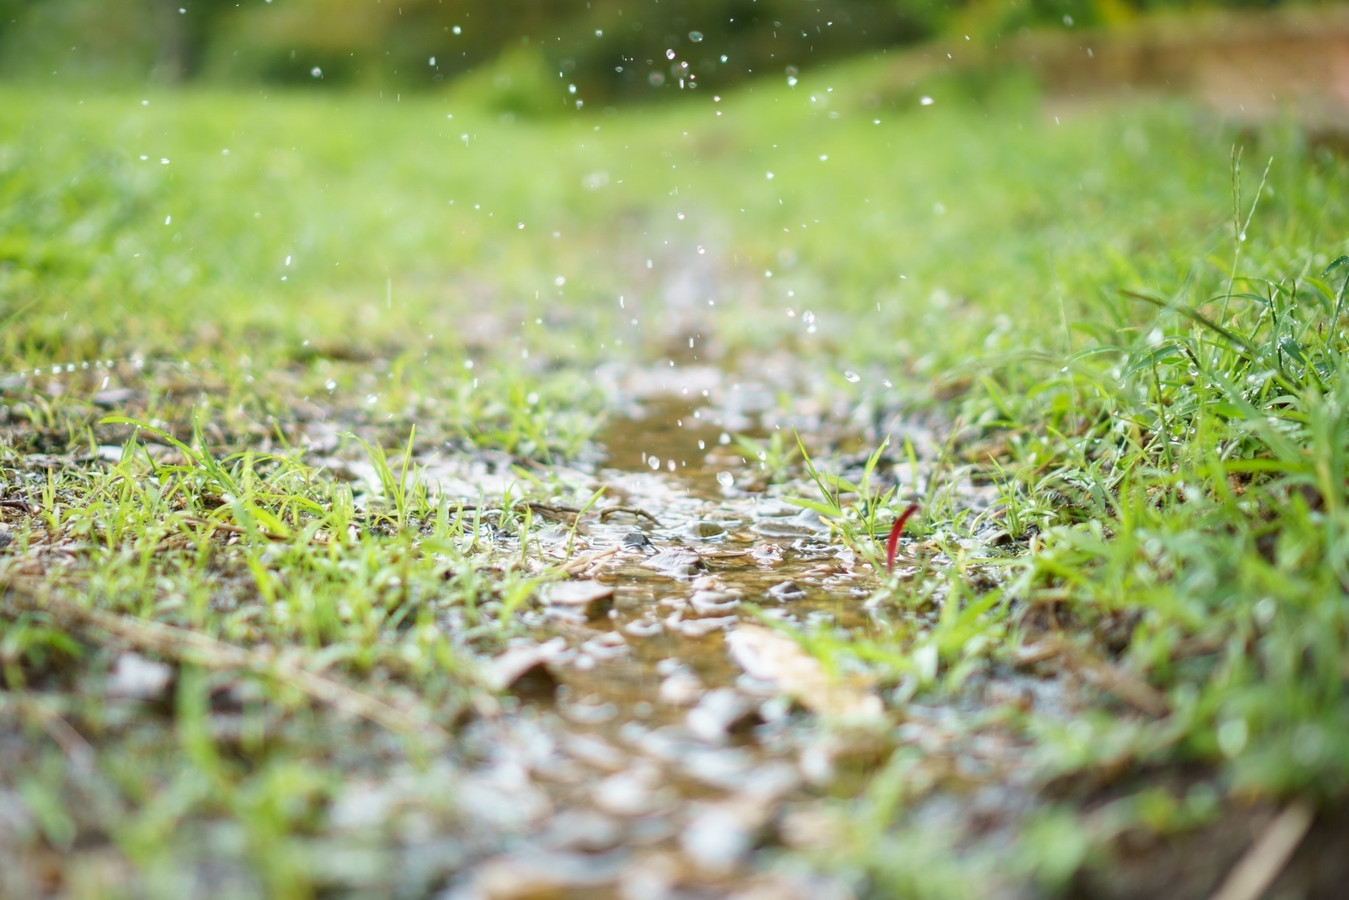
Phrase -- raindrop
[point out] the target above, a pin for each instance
(168, 219)
(725, 479)
(851, 377)
(653, 462)
(318, 73)
(695, 36)
(669, 54)
(164, 161)
(926, 101)
(724, 57)
(457, 30)
(768, 175)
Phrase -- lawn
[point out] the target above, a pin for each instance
(307, 402)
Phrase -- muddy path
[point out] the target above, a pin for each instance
(664, 732)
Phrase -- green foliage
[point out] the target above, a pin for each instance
(1090, 356)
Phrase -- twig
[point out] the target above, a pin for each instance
(1114, 679)
(231, 528)
(1257, 869)
(581, 563)
(630, 510)
(192, 647)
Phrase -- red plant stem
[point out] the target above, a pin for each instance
(892, 542)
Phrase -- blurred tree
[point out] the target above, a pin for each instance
(607, 49)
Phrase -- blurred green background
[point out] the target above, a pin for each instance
(555, 53)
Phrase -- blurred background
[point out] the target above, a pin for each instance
(597, 51)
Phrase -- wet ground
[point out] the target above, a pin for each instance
(664, 732)
(662, 728)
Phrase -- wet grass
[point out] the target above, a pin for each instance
(245, 643)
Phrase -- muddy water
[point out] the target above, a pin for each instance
(666, 764)
(697, 554)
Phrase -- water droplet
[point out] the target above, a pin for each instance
(696, 36)
(457, 30)
(318, 73)
(669, 54)
(653, 462)
(851, 377)
(725, 479)
(926, 101)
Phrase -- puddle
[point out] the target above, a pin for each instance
(681, 734)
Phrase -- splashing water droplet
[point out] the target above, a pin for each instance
(926, 101)
(695, 36)
(851, 377)
(653, 462)
(725, 479)
(669, 54)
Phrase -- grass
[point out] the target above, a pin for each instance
(224, 370)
